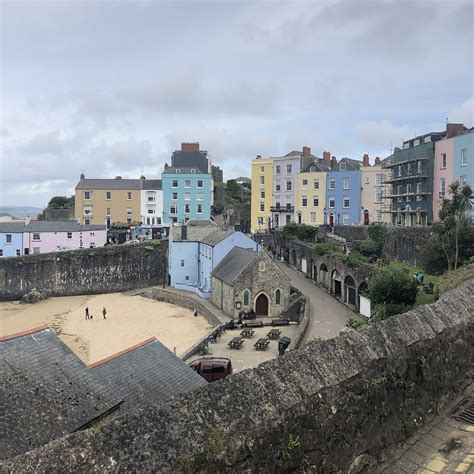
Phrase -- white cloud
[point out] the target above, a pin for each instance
(381, 135)
(464, 113)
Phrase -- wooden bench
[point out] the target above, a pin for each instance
(236, 342)
(254, 324)
(262, 344)
(428, 288)
(280, 322)
(274, 334)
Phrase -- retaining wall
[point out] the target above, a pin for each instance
(405, 244)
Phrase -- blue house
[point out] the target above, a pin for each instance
(463, 169)
(343, 193)
(187, 194)
(11, 238)
(194, 251)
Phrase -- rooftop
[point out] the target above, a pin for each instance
(233, 264)
(48, 226)
(124, 184)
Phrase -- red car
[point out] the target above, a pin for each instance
(212, 368)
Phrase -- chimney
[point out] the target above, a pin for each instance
(306, 151)
(377, 160)
(27, 220)
(259, 157)
(453, 129)
(333, 162)
(82, 176)
(194, 146)
(118, 177)
(142, 177)
(184, 232)
(326, 156)
(365, 160)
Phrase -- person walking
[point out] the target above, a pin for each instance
(104, 312)
(87, 312)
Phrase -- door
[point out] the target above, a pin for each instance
(331, 219)
(261, 305)
(366, 217)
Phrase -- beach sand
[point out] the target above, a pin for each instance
(130, 320)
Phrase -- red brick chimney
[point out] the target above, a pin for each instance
(365, 160)
(377, 160)
(333, 162)
(190, 146)
(306, 151)
(326, 156)
(453, 129)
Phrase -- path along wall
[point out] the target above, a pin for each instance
(88, 271)
(324, 405)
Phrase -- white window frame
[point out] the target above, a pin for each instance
(332, 183)
(187, 196)
(199, 197)
(463, 156)
(8, 239)
(199, 206)
(346, 183)
(36, 237)
(344, 199)
(173, 183)
(187, 208)
(187, 183)
(108, 195)
(129, 211)
(87, 195)
(333, 200)
(315, 183)
(129, 195)
(443, 161)
(262, 179)
(200, 183)
(342, 166)
(173, 209)
(69, 235)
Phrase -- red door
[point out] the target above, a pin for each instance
(331, 219)
(366, 217)
(261, 305)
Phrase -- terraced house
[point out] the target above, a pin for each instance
(261, 197)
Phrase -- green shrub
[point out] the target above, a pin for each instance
(370, 247)
(354, 259)
(378, 233)
(306, 233)
(355, 324)
(324, 249)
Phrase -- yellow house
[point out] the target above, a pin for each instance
(262, 189)
(371, 193)
(311, 194)
(107, 201)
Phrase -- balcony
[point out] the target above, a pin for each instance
(288, 208)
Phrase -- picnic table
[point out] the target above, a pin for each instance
(280, 322)
(236, 342)
(274, 333)
(257, 323)
(247, 332)
(262, 344)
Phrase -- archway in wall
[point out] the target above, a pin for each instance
(336, 283)
(350, 291)
(261, 305)
(323, 275)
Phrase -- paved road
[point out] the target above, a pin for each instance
(327, 315)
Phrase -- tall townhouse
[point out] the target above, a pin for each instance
(261, 197)
(107, 201)
(408, 181)
(343, 192)
(452, 162)
(311, 192)
(371, 191)
(151, 202)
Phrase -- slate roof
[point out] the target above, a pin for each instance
(151, 184)
(300, 153)
(119, 184)
(48, 226)
(319, 166)
(190, 159)
(47, 391)
(183, 170)
(146, 374)
(216, 235)
(200, 222)
(233, 264)
(351, 165)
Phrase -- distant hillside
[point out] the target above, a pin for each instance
(21, 211)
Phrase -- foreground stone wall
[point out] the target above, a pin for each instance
(405, 244)
(324, 405)
(88, 271)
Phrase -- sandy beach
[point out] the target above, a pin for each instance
(130, 320)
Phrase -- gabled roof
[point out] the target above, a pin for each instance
(300, 153)
(109, 184)
(233, 264)
(145, 374)
(49, 226)
(216, 235)
(351, 165)
(319, 166)
(47, 391)
(200, 222)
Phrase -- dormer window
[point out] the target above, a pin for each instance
(342, 166)
(193, 170)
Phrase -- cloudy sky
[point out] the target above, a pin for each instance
(113, 87)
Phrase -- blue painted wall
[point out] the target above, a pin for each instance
(460, 142)
(353, 193)
(9, 250)
(193, 190)
(189, 252)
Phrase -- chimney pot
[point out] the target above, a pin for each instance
(306, 151)
(326, 156)
(377, 160)
(190, 146)
(333, 162)
(258, 157)
(365, 160)
(118, 177)
(82, 176)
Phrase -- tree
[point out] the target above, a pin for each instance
(395, 289)
(369, 247)
(306, 233)
(61, 202)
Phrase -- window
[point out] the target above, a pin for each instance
(277, 296)
(378, 196)
(342, 166)
(304, 201)
(305, 183)
(463, 181)
(187, 196)
(87, 210)
(108, 195)
(8, 238)
(288, 185)
(346, 202)
(288, 218)
(92, 245)
(87, 194)
(151, 197)
(262, 169)
(199, 208)
(199, 183)
(261, 266)
(129, 195)
(367, 180)
(416, 142)
(378, 179)
(246, 297)
(409, 188)
(262, 194)
(262, 179)
(346, 183)
(406, 145)
(182, 263)
(277, 187)
(69, 235)
(313, 217)
(288, 168)
(107, 211)
(173, 209)
(345, 219)
(175, 196)
(428, 139)
(464, 157)
(399, 170)
(419, 166)
(186, 209)
(315, 183)
(36, 237)
(277, 169)
(262, 207)
(129, 221)
(378, 215)
(129, 211)
(18, 252)
(175, 183)
(36, 249)
(178, 170)
(193, 170)
(443, 160)
(1, 252)
(260, 221)
(315, 201)
(87, 221)
(409, 168)
(332, 203)
(151, 210)
(332, 184)
(187, 183)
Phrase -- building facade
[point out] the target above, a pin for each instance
(261, 196)
(151, 202)
(463, 169)
(371, 191)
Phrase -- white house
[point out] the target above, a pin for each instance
(151, 202)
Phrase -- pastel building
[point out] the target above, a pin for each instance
(151, 202)
(48, 236)
(194, 251)
(343, 192)
(463, 169)
(371, 191)
(261, 197)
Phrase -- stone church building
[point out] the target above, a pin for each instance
(246, 280)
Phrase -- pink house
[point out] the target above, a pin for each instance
(442, 173)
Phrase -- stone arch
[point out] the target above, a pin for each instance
(278, 296)
(323, 275)
(246, 297)
(336, 283)
(262, 304)
(350, 294)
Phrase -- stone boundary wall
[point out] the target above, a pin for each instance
(303, 324)
(325, 407)
(405, 244)
(88, 271)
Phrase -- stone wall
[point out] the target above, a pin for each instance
(88, 271)
(405, 243)
(351, 232)
(326, 405)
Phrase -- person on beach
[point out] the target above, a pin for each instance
(104, 312)
(195, 312)
(87, 312)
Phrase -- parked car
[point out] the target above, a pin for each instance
(212, 368)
